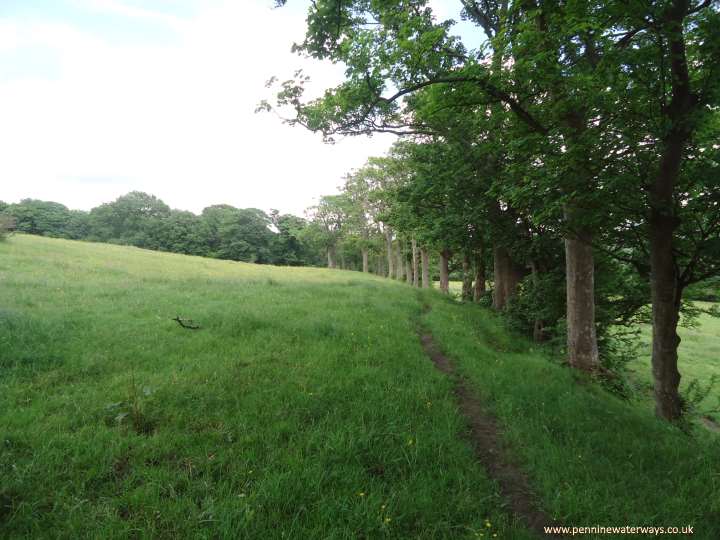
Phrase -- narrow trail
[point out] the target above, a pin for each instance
(484, 434)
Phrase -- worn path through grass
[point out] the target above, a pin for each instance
(591, 458)
(485, 436)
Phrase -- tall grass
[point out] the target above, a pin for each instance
(303, 407)
(594, 458)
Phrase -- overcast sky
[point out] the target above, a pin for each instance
(101, 97)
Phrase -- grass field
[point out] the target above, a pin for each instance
(699, 360)
(304, 407)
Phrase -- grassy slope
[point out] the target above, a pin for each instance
(593, 458)
(303, 408)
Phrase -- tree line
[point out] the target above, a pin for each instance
(138, 219)
(573, 156)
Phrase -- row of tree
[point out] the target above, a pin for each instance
(142, 220)
(575, 153)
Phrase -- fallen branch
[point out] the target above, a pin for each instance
(187, 323)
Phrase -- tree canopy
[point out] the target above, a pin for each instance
(575, 150)
(143, 220)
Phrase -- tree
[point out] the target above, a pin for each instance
(7, 225)
(328, 219)
(45, 218)
(584, 88)
(288, 247)
(238, 234)
(431, 203)
(131, 219)
(78, 225)
(363, 225)
(670, 130)
(408, 50)
(182, 232)
(143, 220)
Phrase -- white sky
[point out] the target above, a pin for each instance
(101, 97)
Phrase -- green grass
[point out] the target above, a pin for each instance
(593, 458)
(454, 287)
(303, 408)
(699, 359)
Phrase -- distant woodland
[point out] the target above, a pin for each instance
(138, 219)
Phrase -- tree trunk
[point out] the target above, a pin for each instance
(665, 283)
(416, 278)
(365, 263)
(399, 262)
(389, 247)
(467, 288)
(408, 269)
(506, 276)
(539, 324)
(582, 349)
(444, 272)
(331, 257)
(499, 264)
(666, 297)
(479, 288)
(425, 263)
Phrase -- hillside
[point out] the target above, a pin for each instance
(303, 407)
